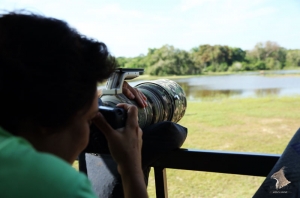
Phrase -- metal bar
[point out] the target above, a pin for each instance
(255, 164)
(82, 163)
(160, 182)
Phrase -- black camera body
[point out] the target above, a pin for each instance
(115, 116)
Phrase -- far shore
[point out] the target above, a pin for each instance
(268, 73)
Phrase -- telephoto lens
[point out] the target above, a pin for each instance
(166, 101)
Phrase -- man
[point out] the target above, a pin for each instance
(48, 78)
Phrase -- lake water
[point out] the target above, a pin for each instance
(251, 84)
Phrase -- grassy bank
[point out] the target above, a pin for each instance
(262, 125)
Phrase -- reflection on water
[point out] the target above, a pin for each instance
(198, 92)
(202, 92)
(267, 92)
(240, 85)
(216, 93)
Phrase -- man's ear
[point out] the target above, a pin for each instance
(30, 128)
(49, 131)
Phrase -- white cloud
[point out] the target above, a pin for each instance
(113, 10)
(227, 15)
(189, 4)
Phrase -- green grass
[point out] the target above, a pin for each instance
(263, 125)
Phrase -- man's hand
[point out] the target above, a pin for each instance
(134, 93)
(125, 146)
(125, 143)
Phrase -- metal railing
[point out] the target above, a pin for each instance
(242, 163)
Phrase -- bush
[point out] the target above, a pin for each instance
(236, 67)
(260, 65)
(271, 63)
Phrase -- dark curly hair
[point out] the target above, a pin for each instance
(48, 71)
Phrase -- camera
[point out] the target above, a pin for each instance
(166, 100)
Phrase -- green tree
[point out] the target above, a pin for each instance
(217, 57)
(168, 60)
(238, 55)
(269, 54)
(122, 61)
(293, 58)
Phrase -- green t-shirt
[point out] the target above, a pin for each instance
(27, 173)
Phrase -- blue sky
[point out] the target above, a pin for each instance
(130, 27)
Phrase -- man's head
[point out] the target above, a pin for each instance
(48, 71)
(48, 79)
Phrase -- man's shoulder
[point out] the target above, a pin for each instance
(26, 172)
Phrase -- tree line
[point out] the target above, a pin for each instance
(169, 60)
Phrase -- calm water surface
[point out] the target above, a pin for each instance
(252, 84)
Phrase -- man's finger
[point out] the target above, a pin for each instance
(134, 93)
(139, 97)
(127, 90)
(132, 114)
(142, 94)
(128, 93)
(143, 99)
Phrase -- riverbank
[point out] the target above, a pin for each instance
(294, 71)
(270, 73)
